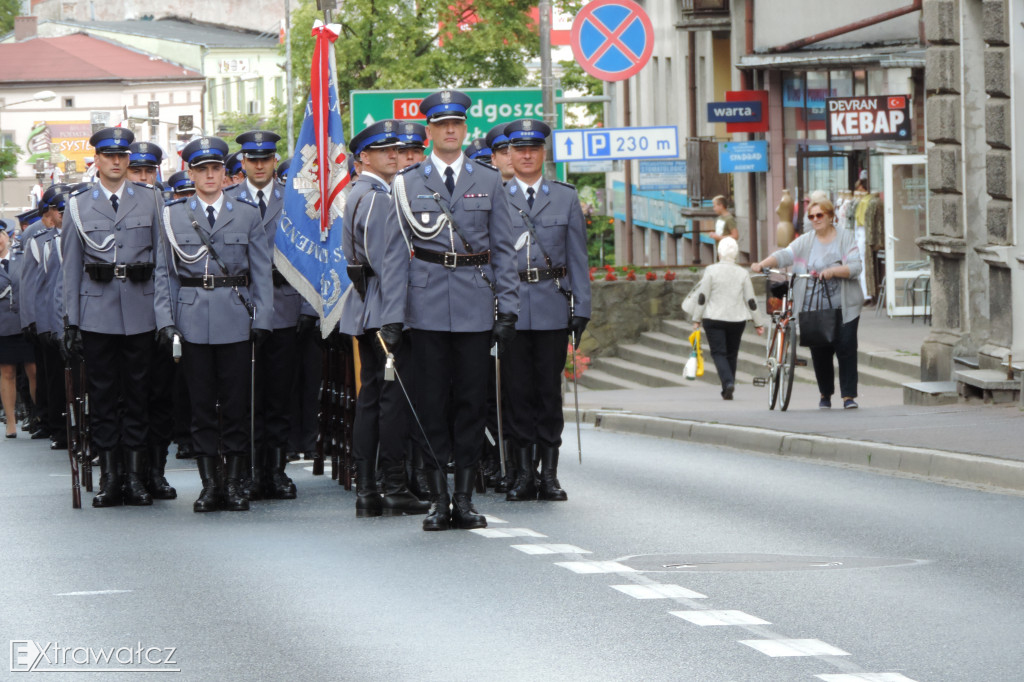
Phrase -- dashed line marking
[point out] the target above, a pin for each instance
(793, 647)
(89, 593)
(507, 533)
(591, 567)
(551, 549)
(658, 591)
(708, 617)
(865, 677)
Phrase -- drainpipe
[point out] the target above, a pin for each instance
(748, 84)
(914, 6)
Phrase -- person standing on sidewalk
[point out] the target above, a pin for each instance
(725, 301)
(832, 255)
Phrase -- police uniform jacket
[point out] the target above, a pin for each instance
(93, 234)
(288, 303)
(213, 316)
(560, 228)
(440, 298)
(369, 215)
(48, 312)
(30, 272)
(10, 319)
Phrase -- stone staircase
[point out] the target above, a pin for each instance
(656, 359)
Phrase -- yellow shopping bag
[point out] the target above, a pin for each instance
(695, 365)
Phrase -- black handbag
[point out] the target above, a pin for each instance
(819, 327)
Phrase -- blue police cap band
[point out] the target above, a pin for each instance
(259, 146)
(481, 152)
(120, 144)
(451, 108)
(388, 138)
(210, 154)
(498, 141)
(137, 159)
(526, 135)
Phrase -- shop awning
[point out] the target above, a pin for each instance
(902, 57)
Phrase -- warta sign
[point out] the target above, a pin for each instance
(863, 119)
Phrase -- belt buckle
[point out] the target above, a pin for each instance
(451, 262)
(121, 271)
(532, 275)
(208, 282)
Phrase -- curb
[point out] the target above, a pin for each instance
(943, 465)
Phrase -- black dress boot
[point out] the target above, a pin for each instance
(213, 484)
(251, 485)
(135, 492)
(233, 499)
(439, 515)
(184, 450)
(525, 488)
(397, 500)
(463, 514)
(109, 494)
(549, 487)
(367, 498)
(277, 485)
(158, 486)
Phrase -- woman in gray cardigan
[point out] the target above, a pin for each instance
(833, 255)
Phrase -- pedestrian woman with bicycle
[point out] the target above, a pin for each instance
(725, 301)
(831, 255)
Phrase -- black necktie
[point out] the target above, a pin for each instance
(210, 217)
(263, 204)
(449, 180)
(113, 202)
(529, 196)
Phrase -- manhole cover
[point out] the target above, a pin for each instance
(699, 563)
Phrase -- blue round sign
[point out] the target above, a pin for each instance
(612, 39)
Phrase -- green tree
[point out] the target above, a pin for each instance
(237, 123)
(8, 160)
(8, 10)
(421, 44)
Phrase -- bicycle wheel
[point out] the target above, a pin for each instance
(788, 366)
(773, 366)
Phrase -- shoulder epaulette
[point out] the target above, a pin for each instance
(481, 164)
(231, 187)
(77, 192)
(143, 184)
(565, 184)
(247, 201)
(179, 200)
(412, 167)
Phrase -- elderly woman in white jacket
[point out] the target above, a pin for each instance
(725, 301)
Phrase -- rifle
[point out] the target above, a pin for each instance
(84, 433)
(73, 434)
(324, 402)
(348, 416)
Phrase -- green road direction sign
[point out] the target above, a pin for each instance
(490, 107)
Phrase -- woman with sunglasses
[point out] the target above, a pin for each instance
(832, 255)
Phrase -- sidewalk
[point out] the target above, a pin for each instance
(969, 443)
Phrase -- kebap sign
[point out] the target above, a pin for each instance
(864, 119)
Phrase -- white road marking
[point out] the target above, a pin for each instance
(495, 519)
(507, 533)
(550, 549)
(590, 567)
(865, 677)
(90, 593)
(793, 647)
(727, 617)
(657, 591)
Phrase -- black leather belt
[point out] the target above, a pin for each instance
(213, 282)
(449, 259)
(539, 274)
(279, 279)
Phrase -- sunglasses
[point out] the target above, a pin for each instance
(815, 216)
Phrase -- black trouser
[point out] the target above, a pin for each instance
(381, 410)
(724, 341)
(40, 408)
(275, 388)
(845, 351)
(118, 368)
(450, 380)
(531, 377)
(52, 387)
(306, 404)
(162, 378)
(182, 428)
(218, 372)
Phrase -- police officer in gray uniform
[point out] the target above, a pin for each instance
(554, 299)
(500, 159)
(412, 141)
(380, 429)
(109, 243)
(460, 298)
(48, 313)
(214, 292)
(276, 360)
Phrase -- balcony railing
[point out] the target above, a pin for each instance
(704, 6)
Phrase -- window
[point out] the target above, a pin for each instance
(69, 102)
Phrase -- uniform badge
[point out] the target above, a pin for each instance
(513, 188)
(193, 205)
(227, 205)
(409, 129)
(544, 188)
(258, 137)
(388, 126)
(427, 170)
(204, 142)
(425, 217)
(95, 194)
(446, 96)
(527, 124)
(131, 192)
(277, 193)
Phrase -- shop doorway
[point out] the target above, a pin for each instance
(907, 268)
(832, 171)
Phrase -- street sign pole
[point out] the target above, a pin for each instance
(628, 176)
(547, 81)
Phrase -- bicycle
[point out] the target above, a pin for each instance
(782, 342)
